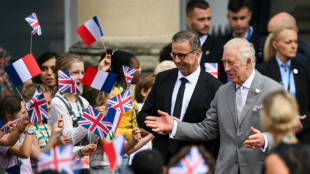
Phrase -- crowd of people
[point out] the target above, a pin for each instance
(252, 115)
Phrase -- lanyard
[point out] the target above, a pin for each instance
(48, 135)
(75, 117)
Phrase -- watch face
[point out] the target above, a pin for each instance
(30, 131)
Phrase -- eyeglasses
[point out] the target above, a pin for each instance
(180, 55)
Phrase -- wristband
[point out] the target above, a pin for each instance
(21, 130)
(133, 141)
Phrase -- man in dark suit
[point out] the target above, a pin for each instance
(239, 17)
(199, 20)
(200, 88)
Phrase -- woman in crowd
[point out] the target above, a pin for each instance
(69, 105)
(280, 118)
(294, 77)
(47, 77)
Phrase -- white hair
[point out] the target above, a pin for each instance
(244, 48)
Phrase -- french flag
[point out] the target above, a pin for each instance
(90, 31)
(23, 69)
(114, 151)
(98, 79)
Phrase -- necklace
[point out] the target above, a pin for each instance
(45, 128)
(77, 105)
(287, 138)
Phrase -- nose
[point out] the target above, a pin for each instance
(239, 22)
(49, 71)
(226, 67)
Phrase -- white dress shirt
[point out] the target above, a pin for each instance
(202, 41)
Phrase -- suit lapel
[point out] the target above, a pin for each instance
(170, 82)
(253, 94)
(297, 79)
(276, 74)
(231, 102)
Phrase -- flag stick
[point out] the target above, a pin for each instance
(105, 50)
(20, 94)
(30, 42)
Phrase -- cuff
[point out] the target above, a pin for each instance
(174, 129)
(264, 149)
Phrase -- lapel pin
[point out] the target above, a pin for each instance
(207, 52)
(257, 91)
(295, 71)
(255, 108)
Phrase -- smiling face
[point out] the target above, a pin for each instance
(237, 71)
(286, 44)
(239, 21)
(199, 21)
(189, 64)
(77, 70)
(47, 75)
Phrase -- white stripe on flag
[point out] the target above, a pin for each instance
(93, 28)
(99, 80)
(22, 70)
(118, 146)
(115, 121)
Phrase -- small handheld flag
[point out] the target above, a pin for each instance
(66, 82)
(129, 73)
(121, 102)
(60, 159)
(96, 122)
(100, 80)
(37, 108)
(192, 163)
(34, 23)
(90, 31)
(23, 69)
(115, 117)
(6, 128)
(213, 69)
(114, 151)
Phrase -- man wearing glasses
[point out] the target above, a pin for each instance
(184, 92)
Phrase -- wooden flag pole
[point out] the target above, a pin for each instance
(105, 50)
(20, 95)
(30, 42)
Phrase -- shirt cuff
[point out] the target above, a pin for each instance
(264, 149)
(174, 129)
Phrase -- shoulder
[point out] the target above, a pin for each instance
(275, 164)
(210, 79)
(267, 81)
(167, 74)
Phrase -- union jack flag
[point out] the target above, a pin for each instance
(60, 159)
(212, 68)
(34, 23)
(121, 102)
(66, 82)
(128, 73)
(193, 163)
(37, 108)
(6, 128)
(96, 122)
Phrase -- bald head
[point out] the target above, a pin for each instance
(282, 19)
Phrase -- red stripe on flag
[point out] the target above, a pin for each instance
(111, 153)
(89, 76)
(84, 33)
(31, 65)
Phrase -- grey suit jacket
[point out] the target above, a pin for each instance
(221, 120)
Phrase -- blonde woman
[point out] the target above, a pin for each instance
(280, 118)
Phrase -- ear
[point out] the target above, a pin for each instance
(189, 21)
(143, 92)
(250, 14)
(274, 45)
(9, 117)
(249, 62)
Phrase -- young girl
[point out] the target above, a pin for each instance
(18, 154)
(69, 105)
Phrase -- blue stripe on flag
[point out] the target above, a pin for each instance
(111, 114)
(14, 77)
(109, 82)
(97, 22)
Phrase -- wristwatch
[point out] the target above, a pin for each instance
(30, 131)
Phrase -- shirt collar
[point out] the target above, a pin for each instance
(248, 82)
(203, 38)
(281, 64)
(192, 78)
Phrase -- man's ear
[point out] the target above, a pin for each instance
(249, 62)
(250, 14)
(189, 21)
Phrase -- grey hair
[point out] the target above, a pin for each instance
(244, 48)
(187, 36)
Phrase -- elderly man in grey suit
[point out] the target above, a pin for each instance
(233, 115)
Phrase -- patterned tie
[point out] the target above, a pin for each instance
(178, 102)
(239, 102)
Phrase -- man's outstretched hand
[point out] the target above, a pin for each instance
(164, 123)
